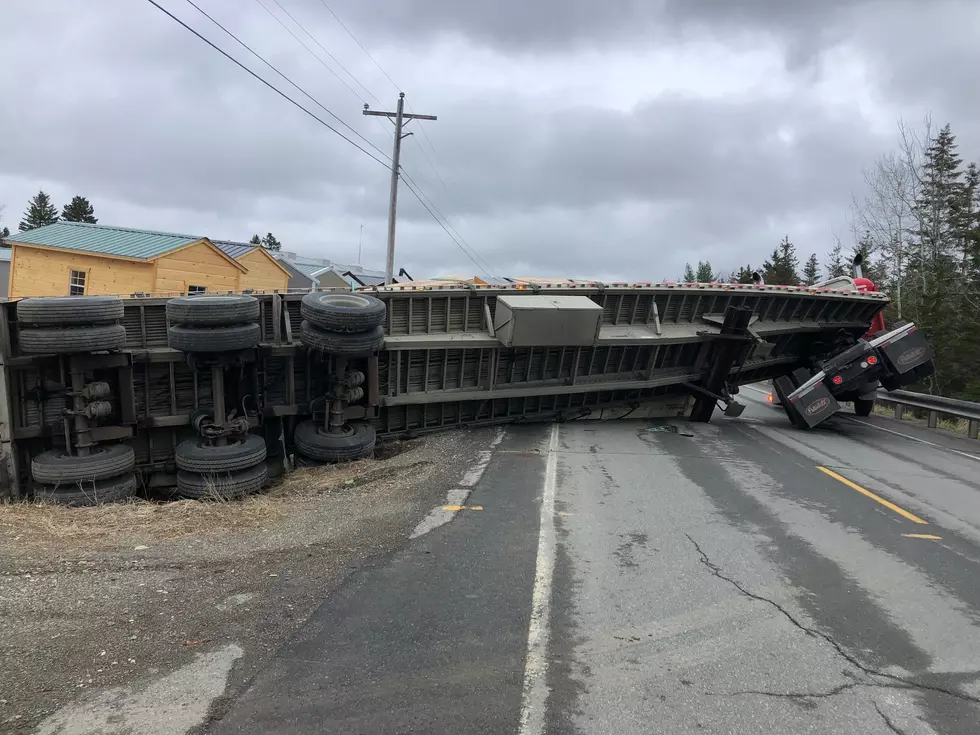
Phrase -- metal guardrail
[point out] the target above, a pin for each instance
(936, 406)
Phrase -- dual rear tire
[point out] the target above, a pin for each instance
(221, 472)
(342, 324)
(69, 325)
(213, 323)
(103, 476)
(353, 442)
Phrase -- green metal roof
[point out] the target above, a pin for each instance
(103, 240)
(308, 269)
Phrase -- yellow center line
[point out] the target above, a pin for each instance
(877, 498)
(923, 535)
(462, 507)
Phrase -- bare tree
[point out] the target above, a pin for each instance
(886, 219)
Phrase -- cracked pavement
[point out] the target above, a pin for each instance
(768, 598)
(715, 582)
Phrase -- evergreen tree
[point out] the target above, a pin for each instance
(79, 210)
(782, 264)
(705, 273)
(742, 275)
(835, 262)
(271, 243)
(811, 271)
(40, 212)
(936, 265)
(256, 240)
(919, 232)
(5, 232)
(940, 201)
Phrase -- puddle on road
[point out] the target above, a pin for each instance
(168, 706)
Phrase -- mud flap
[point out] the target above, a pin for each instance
(908, 358)
(782, 387)
(813, 404)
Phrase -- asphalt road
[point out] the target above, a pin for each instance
(623, 577)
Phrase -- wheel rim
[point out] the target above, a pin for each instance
(349, 301)
(346, 430)
(236, 442)
(95, 452)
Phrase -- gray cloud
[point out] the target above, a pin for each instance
(546, 174)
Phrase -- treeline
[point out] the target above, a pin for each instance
(919, 225)
(918, 230)
(782, 267)
(40, 212)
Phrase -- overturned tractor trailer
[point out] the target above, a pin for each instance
(198, 396)
(854, 369)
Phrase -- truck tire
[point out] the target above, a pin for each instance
(355, 442)
(212, 311)
(57, 311)
(222, 485)
(196, 455)
(214, 339)
(864, 406)
(343, 312)
(82, 494)
(54, 467)
(72, 340)
(337, 343)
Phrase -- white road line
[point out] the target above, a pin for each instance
(439, 516)
(475, 472)
(914, 438)
(534, 697)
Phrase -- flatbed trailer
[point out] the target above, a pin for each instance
(451, 355)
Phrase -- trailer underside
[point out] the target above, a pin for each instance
(452, 357)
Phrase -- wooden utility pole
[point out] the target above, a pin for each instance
(400, 117)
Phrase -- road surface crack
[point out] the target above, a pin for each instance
(841, 688)
(890, 680)
(891, 725)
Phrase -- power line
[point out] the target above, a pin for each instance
(425, 134)
(290, 81)
(443, 226)
(483, 265)
(322, 62)
(431, 208)
(313, 38)
(351, 34)
(266, 83)
(432, 165)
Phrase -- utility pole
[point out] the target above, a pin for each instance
(360, 240)
(400, 117)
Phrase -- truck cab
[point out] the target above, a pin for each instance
(882, 357)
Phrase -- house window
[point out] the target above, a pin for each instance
(193, 290)
(76, 283)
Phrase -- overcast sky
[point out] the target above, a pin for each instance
(613, 139)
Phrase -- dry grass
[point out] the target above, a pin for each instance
(40, 525)
(957, 426)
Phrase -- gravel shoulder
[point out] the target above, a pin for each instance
(100, 605)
